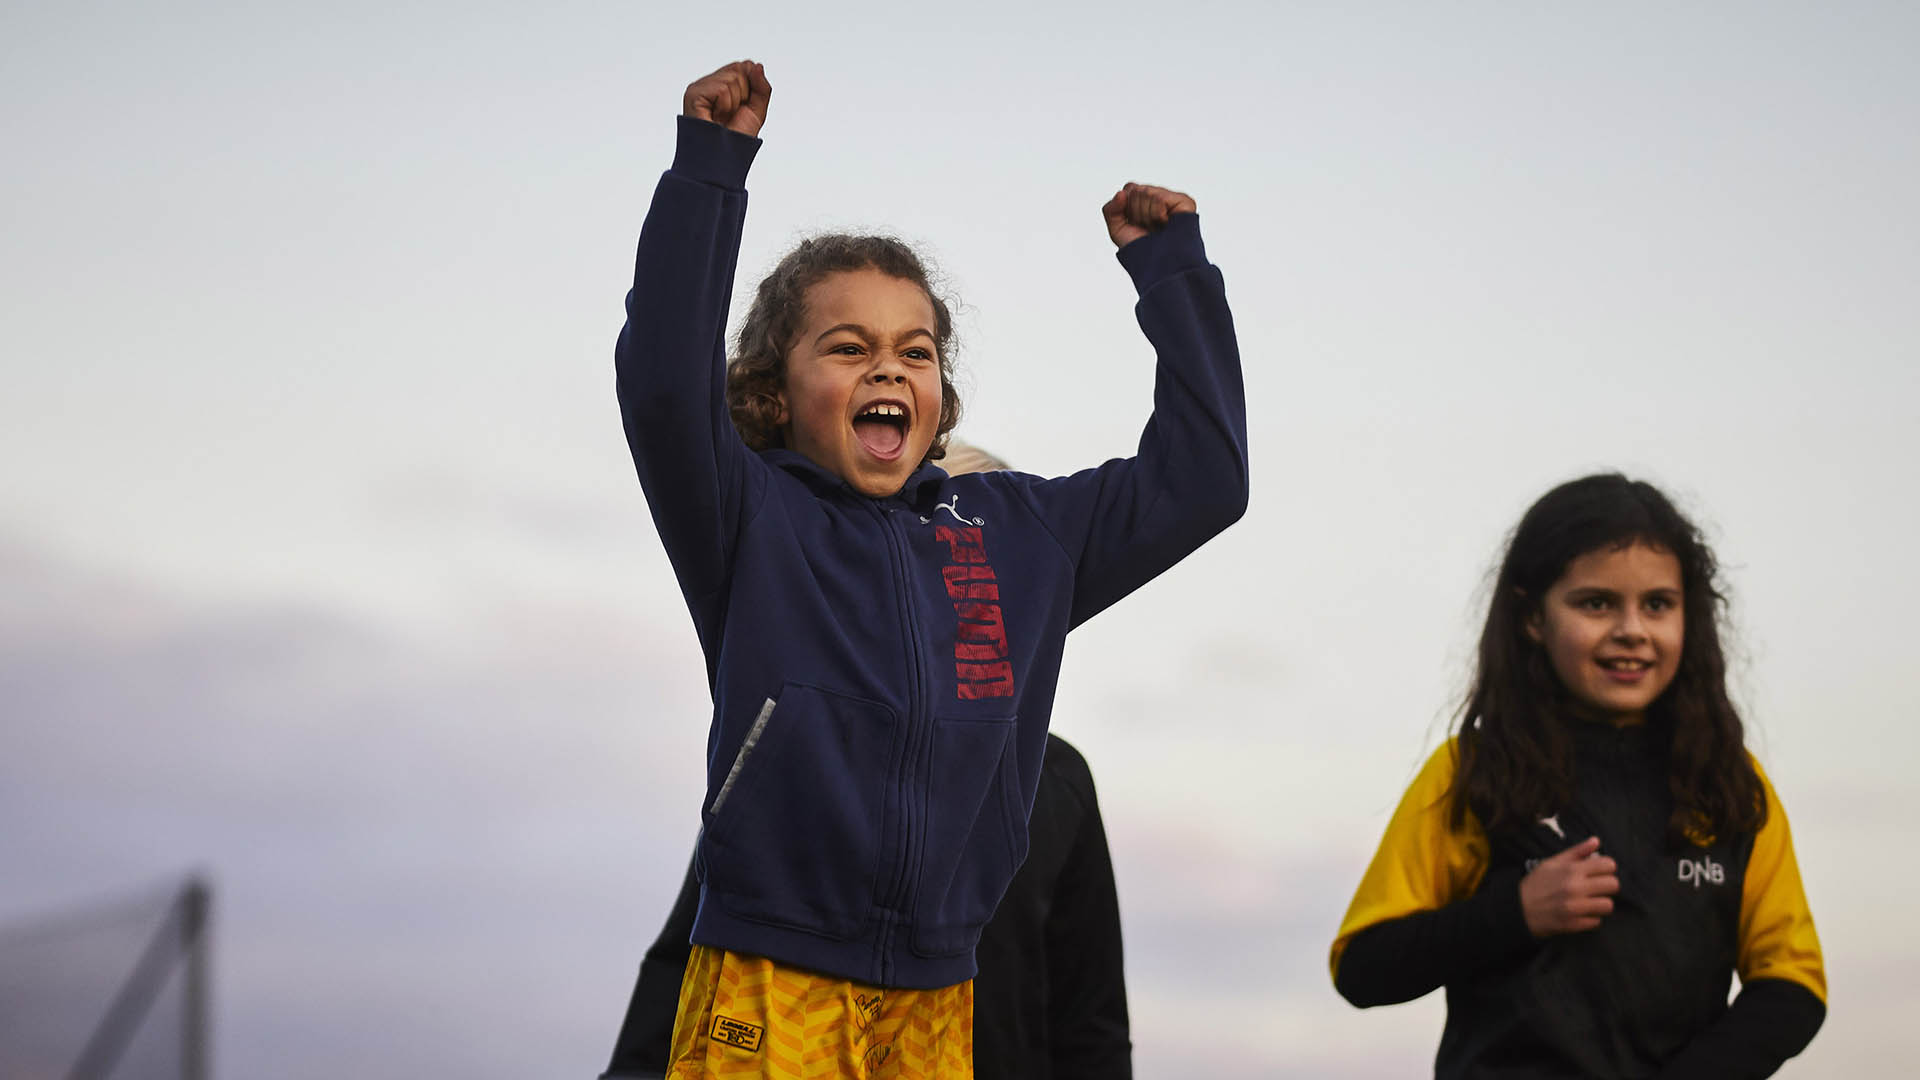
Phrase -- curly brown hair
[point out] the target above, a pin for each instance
(758, 370)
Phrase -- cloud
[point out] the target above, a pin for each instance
(442, 503)
(405, 836)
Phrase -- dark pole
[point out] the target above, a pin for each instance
(182, 928)
(196, 939)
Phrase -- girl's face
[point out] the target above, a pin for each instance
(862, 393)
(1612, 627)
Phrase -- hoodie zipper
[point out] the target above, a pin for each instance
(895, 896)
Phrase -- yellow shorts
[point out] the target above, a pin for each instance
(746, 1016)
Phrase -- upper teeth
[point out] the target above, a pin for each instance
(883, 409)
(1628, 663)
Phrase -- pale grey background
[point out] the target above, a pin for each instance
(322, 565)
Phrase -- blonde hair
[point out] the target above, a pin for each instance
(963, 457)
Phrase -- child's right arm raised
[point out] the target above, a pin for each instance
(671, 356)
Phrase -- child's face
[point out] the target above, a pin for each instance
(862, 394)
(1612, 627)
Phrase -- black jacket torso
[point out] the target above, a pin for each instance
(1620, 1000)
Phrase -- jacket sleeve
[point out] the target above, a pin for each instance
(1777, 939)
(1417, 921)
(1771, 1020)
(646, 1035)
(1126, 521)
(1783, 978)
(671, 358)
(1087, 1026)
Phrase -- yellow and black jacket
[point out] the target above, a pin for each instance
(1644, 994)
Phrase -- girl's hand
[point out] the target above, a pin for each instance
(735, 97)
(1569, 892)
(1138, 209)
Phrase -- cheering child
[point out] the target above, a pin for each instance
(882, 640)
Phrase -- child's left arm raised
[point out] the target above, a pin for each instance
(1125, 522)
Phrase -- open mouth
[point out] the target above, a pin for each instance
(882, 429)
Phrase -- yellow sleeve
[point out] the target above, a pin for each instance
(1777, 939)
(1422, 864)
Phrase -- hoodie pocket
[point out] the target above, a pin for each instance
(795, 827)
(976, 833)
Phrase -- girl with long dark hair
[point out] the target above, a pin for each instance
(1594, 854)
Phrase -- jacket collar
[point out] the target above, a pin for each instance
(920, 488)
(1651, 737)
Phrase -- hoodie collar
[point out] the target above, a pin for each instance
(921, 486)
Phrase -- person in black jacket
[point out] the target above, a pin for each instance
(1587, 864)
(1050, 1002)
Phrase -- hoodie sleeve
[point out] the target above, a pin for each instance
(1126, 521)
(671, 360)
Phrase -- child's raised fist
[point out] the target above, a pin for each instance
(1138, 209)
(734, 97)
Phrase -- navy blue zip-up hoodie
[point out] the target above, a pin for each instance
(883, 669)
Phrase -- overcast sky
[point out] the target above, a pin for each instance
(323, 567)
